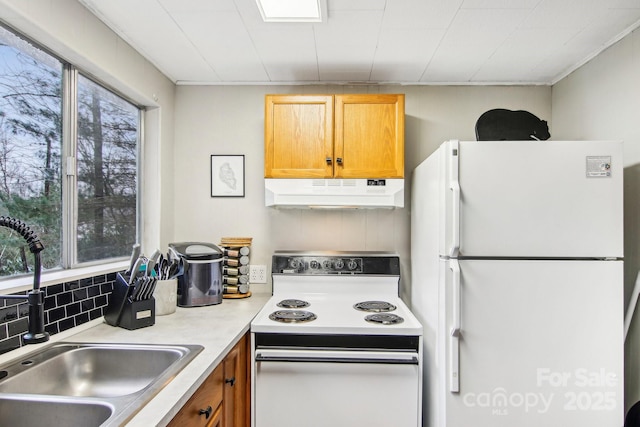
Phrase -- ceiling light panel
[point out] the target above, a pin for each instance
(290, 10)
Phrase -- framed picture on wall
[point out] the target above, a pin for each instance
(227, 175)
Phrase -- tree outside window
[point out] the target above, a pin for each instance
(103, 189)
(107, 172)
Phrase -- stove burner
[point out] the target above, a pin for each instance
(293, 303)
(384, 318)
(375, 306)
(292, 316)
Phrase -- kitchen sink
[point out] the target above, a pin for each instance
(26, 412)
(90, 370)
(102, 384)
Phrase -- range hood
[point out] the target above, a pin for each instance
(334, 193)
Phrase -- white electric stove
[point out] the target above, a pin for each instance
(336, 335)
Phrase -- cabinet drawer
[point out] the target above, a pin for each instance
(208, 398)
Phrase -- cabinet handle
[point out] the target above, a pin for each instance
(328, 160)
(206, 412)
(230, 381)
(339, 160)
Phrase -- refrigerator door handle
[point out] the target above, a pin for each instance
(454, 186)
(454, 339)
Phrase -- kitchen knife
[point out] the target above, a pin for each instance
(143, 283)
(149, 267)
(151, 286)
(135, 254)
(135, 269)
(173, 270)
(155, 256)
(136, 291)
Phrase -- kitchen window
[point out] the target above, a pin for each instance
(69, 151)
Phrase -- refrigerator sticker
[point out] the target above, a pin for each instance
(598, 166)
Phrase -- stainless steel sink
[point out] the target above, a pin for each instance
(26, 412)
(90, 370)
(95, 380)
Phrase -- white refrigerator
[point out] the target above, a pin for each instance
(517, 278)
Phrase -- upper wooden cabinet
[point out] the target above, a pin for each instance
(298, 136)
(334, 136)
(369, 136)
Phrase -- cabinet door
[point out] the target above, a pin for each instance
(298, 136)
(369, 136)
(236, 404)
(204, 408)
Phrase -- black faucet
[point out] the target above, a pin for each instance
(36, 333)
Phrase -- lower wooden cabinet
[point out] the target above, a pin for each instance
(236, 397)
(223, 400)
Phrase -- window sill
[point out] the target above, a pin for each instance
(25, 283)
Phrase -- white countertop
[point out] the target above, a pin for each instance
(217, 327)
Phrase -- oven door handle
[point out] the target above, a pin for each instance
(413, 360)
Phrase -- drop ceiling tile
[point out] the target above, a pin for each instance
(477, 34)
(296, 71)
(251, 17)
(551, 66)
(343, 73)
(475, 22)
(499, 4)
(340, 28)
(448, 72)
(523, 51)
(288, 54)
(489, 74)
(530, 43)
(565, 14)
(126, 17)
(220, 36)
(406, 14)
(178, 61)
(151, 31)
(342, 50)
(335, 5)
(516, 68)
(455, 61)
(395, 58)
(201, 6)
(614, 22)
(623, 4)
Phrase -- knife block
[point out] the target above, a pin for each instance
(125, 313)
(138, 314)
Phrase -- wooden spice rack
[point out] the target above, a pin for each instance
(235, 267)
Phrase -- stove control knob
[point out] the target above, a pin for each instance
(326, 264)
(314, 264)
(339, 264)
(295, 263)
(352, 264)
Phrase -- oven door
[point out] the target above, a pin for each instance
(320, 388)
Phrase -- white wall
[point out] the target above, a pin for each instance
(230, 120)
(70, 31)
(601, 100)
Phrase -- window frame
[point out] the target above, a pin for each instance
(69, 265)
